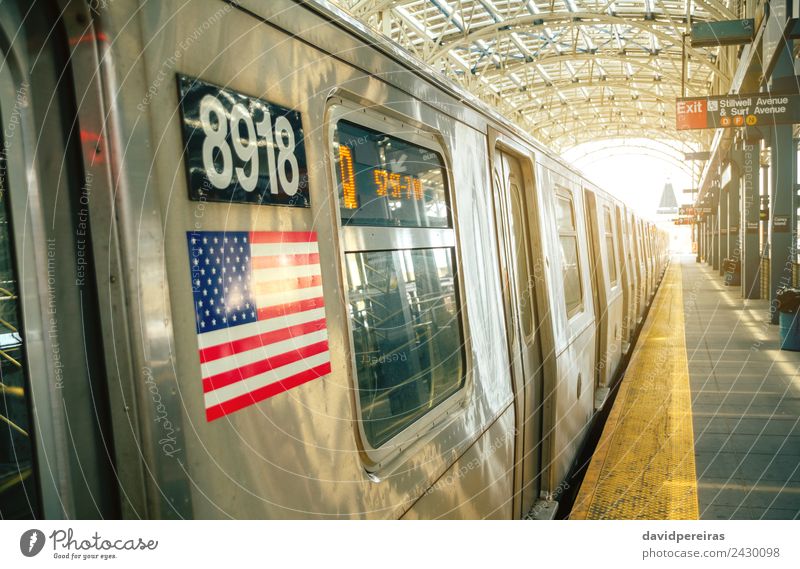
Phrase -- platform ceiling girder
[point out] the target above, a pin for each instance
(603, 65)
(635, 28)
(663, 91)
(545, 62)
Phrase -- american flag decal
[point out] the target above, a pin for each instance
(259, 313)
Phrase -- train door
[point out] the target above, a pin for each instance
(608, 299)
(627, 283)
(648, 259)
(599, 287)
(56, 457)
(636, 266)
(513, 212)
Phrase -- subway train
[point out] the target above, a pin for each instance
(259, 262)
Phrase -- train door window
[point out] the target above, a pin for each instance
(401, 274)
(643, 239)
(610, 249)
(570, 265)
(18, 496)
(520, 240)
(620, 236)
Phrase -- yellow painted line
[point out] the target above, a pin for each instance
(644, 466)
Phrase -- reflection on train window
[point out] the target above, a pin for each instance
(388, 182)
(523, 272)
(406, 334)
(18, 497)
(568, 238)
(610, 250)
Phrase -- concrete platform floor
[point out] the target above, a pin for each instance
(745, 402)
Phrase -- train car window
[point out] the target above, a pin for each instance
(524, 280)
(401, 273)
(610, 250)
(407, 335)
(387, 181)
(18, 494)
(570, 266)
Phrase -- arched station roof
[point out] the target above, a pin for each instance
(567, 71)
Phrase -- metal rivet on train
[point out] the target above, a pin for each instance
(113, 279)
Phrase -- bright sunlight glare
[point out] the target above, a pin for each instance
(636, 171)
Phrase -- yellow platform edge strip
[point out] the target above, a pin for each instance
(643, 466)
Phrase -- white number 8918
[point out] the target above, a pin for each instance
(216, 129)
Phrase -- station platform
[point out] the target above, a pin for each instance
(706, 423)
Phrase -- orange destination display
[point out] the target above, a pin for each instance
(385, 180)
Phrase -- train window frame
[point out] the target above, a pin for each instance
(373, 238)
(14, 328)
(26, 233)
(565, 194)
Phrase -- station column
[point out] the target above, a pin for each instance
(724, 237)
(703, 231)
(732, 177)
(750, 207)
(715, 228)
(782, 182)
(711, 241)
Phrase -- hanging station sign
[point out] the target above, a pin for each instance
(757, 109)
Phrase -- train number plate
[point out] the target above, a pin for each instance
(241, 149)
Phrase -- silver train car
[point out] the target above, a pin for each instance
(260, 263)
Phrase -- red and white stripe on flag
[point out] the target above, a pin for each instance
(260, 315)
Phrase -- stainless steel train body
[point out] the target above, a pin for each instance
(539, 278)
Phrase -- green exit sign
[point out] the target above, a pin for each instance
(726, 32)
